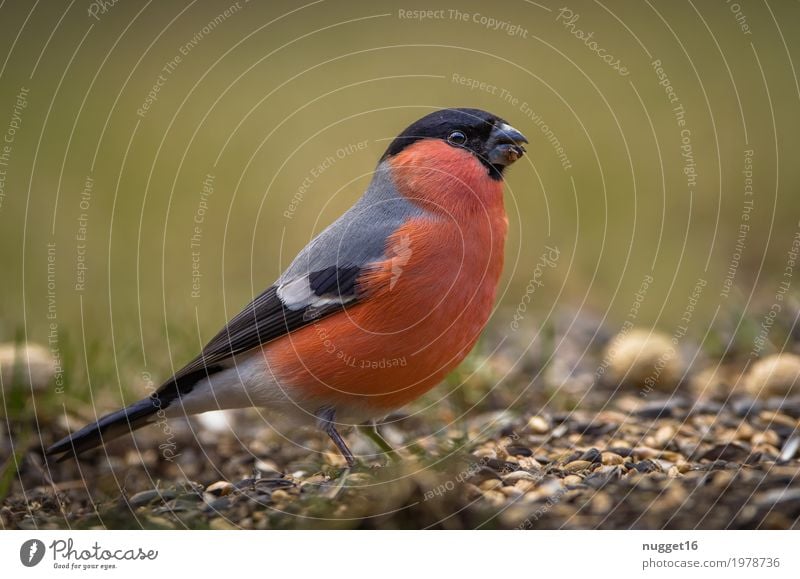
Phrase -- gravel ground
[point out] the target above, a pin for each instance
(509, 449)
(660, 464)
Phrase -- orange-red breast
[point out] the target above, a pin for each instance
(374, 311)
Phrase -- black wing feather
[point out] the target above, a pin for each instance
(263, 320)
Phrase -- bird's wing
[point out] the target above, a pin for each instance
(322, 280)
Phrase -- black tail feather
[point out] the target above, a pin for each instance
(107, 428)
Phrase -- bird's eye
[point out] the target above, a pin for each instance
(457, 138)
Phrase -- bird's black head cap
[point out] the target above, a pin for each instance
(487, 136)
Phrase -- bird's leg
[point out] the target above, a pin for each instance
(372, 432)
(325, 422)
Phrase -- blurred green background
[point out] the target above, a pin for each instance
(286, 107)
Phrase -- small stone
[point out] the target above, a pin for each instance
(490, 484)
(577, 465)
(776, 375)
(766, 437)
(220, 488)
(643, 358)
(334, 459)
(518, 475)
(645, 452)
(572, 480)
(538, 425)
(790, 449)
(611, 458)
(27, 366)
(525, 485)
(744, 432)
(280, 496)
(664, 436)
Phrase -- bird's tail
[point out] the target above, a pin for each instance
(107, 428)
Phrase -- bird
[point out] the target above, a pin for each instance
(376, 310)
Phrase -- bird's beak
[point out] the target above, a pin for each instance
(505, 145)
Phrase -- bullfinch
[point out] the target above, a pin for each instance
(374, 311)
